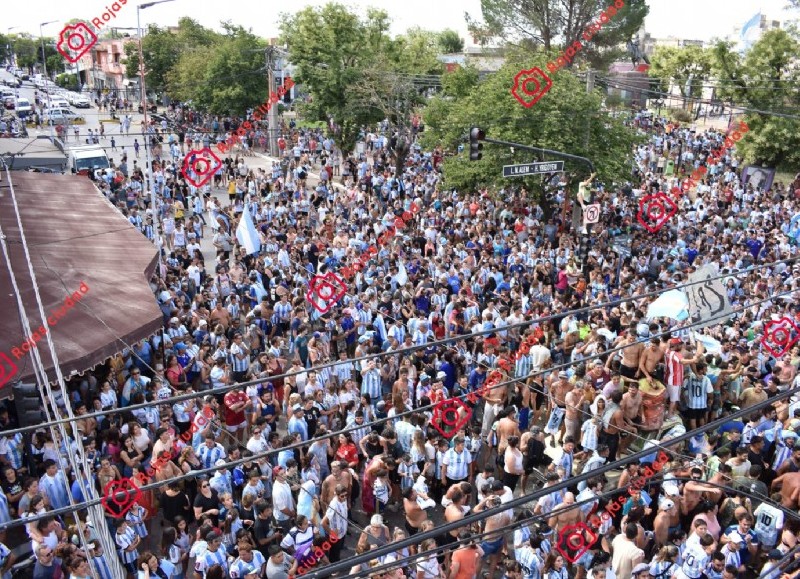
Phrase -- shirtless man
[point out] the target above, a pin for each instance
(415, 515)
(558, 397)
(695, 491)
(789, 485)
(506, 427)
(629, 366)
(631, 406)
(493, 542)
(610, 434)
(572, 419)
(495, 400)
(558, 520)
(454, 512)
(663, 522)
(652, 357)
(401, 384)
(339, 475)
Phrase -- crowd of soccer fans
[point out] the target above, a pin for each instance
(461, 280)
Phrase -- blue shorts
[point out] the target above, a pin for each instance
(491, 547)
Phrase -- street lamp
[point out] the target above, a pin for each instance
(143, 95)
(13, 60)
(41, 39)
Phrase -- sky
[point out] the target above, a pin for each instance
(688, 19)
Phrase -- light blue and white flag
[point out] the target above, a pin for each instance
(750, 32)
(246, 233)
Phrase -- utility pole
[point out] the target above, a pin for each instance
(589, 89)
(272, 115)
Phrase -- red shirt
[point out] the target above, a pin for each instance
(233, 418)
(347, 453)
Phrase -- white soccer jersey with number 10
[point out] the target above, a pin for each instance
(769, 522)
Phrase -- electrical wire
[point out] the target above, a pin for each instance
(441, 342)
(534, 518)
(254, 457)
(618, 84)
(87, 490)
(474, 518)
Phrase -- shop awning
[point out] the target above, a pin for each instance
(77, 242)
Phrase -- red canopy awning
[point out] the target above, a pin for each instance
(79, 246)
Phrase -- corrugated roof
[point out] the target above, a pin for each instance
(74, 236)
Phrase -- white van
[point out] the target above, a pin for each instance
(24, 107)
(85, 159)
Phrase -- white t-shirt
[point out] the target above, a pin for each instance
(282, 499)
(769, 522)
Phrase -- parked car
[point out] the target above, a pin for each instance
(8, 103)
(79, 101)
(151, 107)
(60, 116)
(59, 103)
(24, 107)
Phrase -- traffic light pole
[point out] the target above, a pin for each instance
(540, 150)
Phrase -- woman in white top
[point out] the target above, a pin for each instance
(428, 567)
(513, 463)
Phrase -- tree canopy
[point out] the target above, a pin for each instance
(565, 119)
(765, 79)
(550, 24)
(354, 71)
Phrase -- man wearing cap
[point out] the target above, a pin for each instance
(662, 522)
(730, 550)
(284, 507)
(641, 571)
(297, 423)
(176, 330)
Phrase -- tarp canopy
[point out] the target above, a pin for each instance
(78, 242)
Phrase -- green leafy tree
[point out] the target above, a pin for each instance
(551, 24)
(450, 42)
(680, 65)
(460, 82)
(414, 53)
(565, 119)
(354, 72)
(764, 79)
(224, 77)
(26, 50)
(162, 48)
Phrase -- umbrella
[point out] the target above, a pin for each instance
(672, 304)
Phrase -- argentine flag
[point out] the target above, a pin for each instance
(246, 233)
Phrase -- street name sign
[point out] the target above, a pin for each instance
(532, 169)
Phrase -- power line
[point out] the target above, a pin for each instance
(614, 83)
(474, 518)
(195, 474)
(444, 341)
(561, 509)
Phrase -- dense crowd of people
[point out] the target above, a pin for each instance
(543, 402)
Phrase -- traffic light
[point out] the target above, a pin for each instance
(28, 403)
(475, 146)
